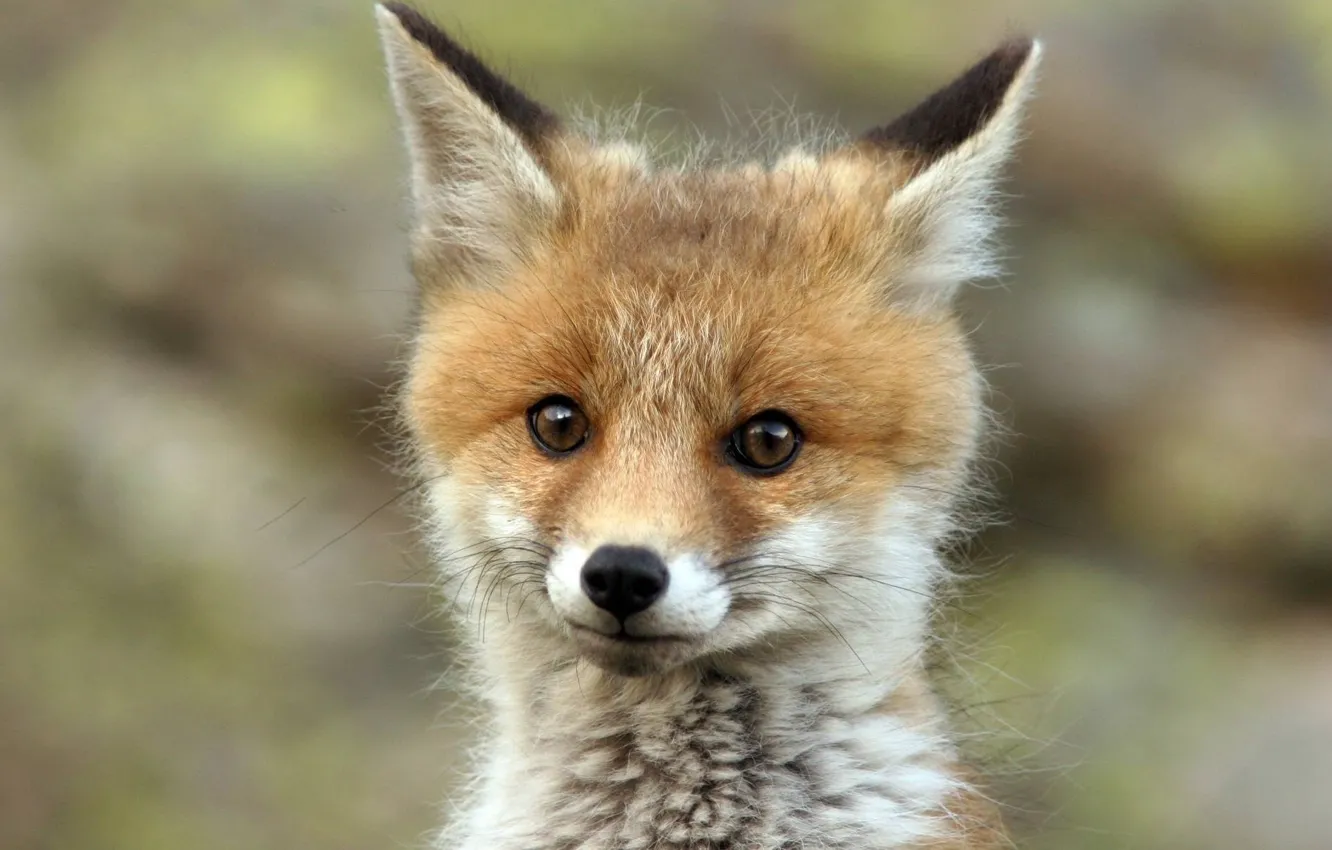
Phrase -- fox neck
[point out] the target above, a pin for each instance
(756, 753)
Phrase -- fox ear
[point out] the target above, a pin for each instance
(480, 192)
(954, 145)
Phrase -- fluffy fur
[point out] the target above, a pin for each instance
(774, 697)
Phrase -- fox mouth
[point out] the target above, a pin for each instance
(623, 637)
(632, 655)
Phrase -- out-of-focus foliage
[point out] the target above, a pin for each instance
(214, 628)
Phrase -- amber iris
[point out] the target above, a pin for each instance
(558, 424)
(766, 443)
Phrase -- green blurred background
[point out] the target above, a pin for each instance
(211, 636)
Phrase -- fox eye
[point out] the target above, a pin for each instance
(765, 444)
(557, 424)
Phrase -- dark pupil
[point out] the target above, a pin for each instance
(768, 442)
(558, 423)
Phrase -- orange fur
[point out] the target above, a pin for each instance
(702, 298)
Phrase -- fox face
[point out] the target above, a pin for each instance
(669, 416)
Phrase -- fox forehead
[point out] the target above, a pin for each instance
(802, 218)
(812, 228)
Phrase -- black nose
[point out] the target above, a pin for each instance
(624, 579)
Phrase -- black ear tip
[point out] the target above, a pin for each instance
(1015, 50)
(1000, 67)
(528, 118)
(960, 109)
(1010, 57)
(418, 26)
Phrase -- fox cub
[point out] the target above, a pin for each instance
(691, 438)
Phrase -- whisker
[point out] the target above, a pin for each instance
(823, 573)
(363, 520)
(493, 569)
(816, 615)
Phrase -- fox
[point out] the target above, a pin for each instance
(691, 441)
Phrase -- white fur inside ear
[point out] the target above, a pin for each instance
(479, 194)
(947, 213)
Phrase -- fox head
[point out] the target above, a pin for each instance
(673, 416)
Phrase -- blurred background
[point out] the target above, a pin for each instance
(214, 625)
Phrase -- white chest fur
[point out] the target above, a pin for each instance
(703, 763)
